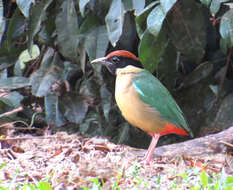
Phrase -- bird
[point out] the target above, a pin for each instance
(143, 100)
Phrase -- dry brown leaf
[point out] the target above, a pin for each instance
(17, 149)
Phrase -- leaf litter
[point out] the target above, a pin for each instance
(73, 161)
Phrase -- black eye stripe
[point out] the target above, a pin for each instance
(115, 59)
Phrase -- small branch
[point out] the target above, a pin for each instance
(207, 145)
(227, 144)
(19, 109)
(28, 138)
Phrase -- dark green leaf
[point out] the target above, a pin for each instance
(167, 67)
(142, 17)
(89, 24)
(89, 88)
(96, 42)
(136, 5)
(224, 45)
(49, 73)
(215, 5)
(151, 49)
(157, 16)
(82, 5)
(91, 122)
(201, 72)
(45, 35)
(24, 6)
(2, 21)
(7, 61)
(226, 27)
(37, 15)
(114, 21)
(129, 38)
(67, 30)
(187, 30)
(52, 109)
(206, 2)
(69, 70)
(13, 29)
(14, 83)
(106, 99)
(75, 107)
(13, 99)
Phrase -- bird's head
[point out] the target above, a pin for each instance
(118, 59)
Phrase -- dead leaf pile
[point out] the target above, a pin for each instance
(72, 162)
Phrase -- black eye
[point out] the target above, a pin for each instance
(115, 59)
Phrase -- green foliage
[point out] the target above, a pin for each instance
(46, 46)
(226, 27)
(114, 21)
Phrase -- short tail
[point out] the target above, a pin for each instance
(171, 128)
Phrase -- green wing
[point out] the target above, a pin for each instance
(153, 92)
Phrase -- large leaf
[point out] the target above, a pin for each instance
(67, 30)
(157, 16)
(50, 72)
(24, 6)
(75, 107)
(114, 21)
(95, 37)
(215, 5)
(226, 27)
(82, 5)
(7, 61)
(52, 109)
(37, 15)
(106, 101)
(12, 99)
(25, 56)
(167, 67)
(14, 83)
(96, 42)
(142, 18)
(2, 21)
(199, 73)
(92, 121)
(187, 30)
(15, 28)
(129, 38)
(206, 2)
(151, 49)
(136, 5)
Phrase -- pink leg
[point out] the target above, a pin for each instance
(149, 153)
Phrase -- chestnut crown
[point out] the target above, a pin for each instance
(118, 59)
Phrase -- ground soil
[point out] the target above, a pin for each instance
(73, 161)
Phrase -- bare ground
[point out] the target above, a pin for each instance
(72, 162)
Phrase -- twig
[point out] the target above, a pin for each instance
(20, 108)
(226, 143)
(27, 138)
(19, 128)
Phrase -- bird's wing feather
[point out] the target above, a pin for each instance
(153, 93)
